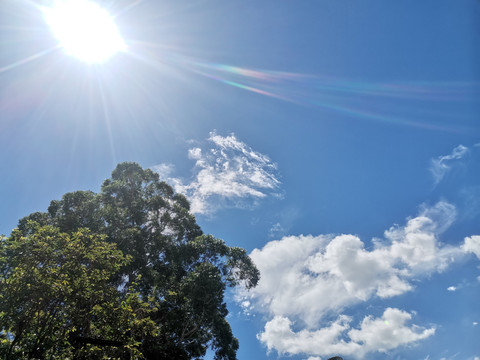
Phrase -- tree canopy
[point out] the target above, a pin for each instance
(124, 273)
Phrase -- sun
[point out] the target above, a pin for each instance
(85, 30)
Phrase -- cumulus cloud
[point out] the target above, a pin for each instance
(472, 245)
(305, 279)
(441, 165)
(416, 244)
(387, 332)
(227, 173)
(278, 335)
(308, 276)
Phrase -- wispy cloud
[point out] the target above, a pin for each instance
(461, 167)
(276, 230)
(285, 217)
(306, 279)
(227, 173)
(441, 165)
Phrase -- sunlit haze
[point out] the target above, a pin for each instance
(85, 30)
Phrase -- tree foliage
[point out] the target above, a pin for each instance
(123, 273)
(56, 291)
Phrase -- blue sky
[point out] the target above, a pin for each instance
(337, 141)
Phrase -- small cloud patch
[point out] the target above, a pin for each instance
(227, 173)
(440, 166)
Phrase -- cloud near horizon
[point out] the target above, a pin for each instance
(227, 173)
(306, 279)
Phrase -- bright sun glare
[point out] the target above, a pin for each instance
(84, 29)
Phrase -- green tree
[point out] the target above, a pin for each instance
(177, 272)
(57, 299)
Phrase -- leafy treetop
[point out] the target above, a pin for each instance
(166, 274)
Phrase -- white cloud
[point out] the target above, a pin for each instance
(275, 230)
(195, 153)
(416, 244)
(374, 334)
(363, 273)
(227, 173)
(441, 165)
(452, 288)
(305, 278)
(278, 335)
(163, 170)
(472, 245)
(308, 276)
(388, 332)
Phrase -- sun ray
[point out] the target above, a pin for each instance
(28, 59)
(107, 118)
